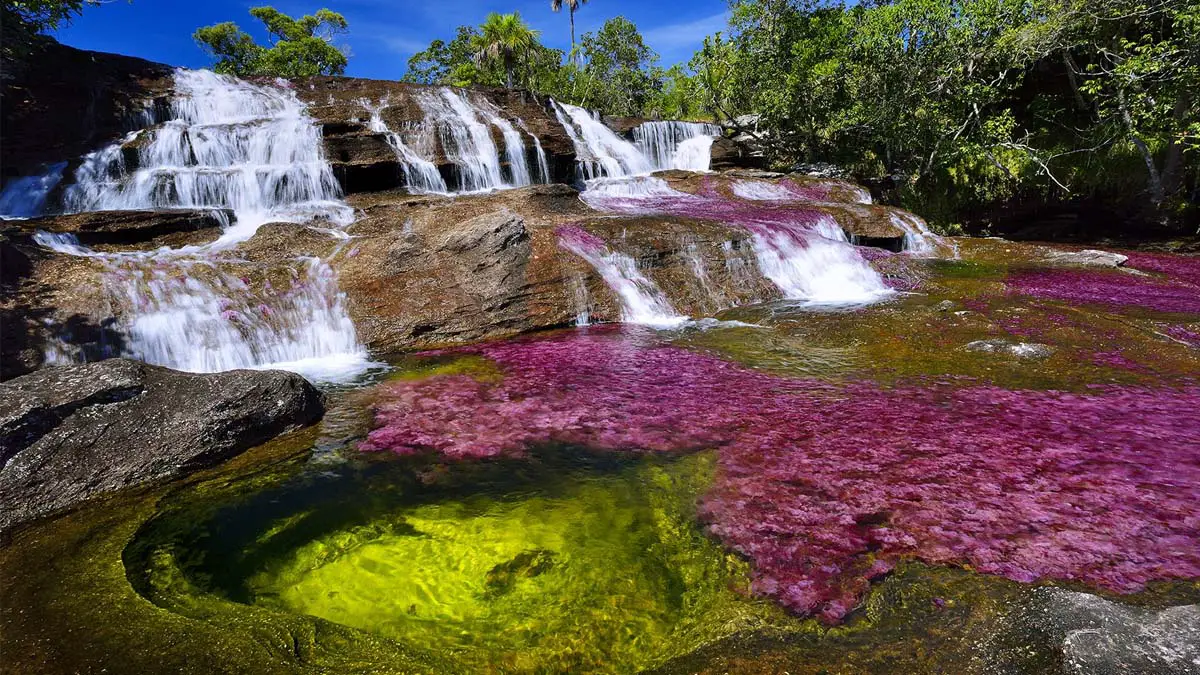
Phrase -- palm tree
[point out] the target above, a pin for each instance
(501, 38)
(572, 6)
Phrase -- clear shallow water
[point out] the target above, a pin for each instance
(616, 499)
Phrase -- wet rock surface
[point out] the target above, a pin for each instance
(1088, 258)
(1094, 636)
(131, 227)
(69, 102)
(70, 433)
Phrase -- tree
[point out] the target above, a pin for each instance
(617, 74)
(299, 47)
(502, 39)
(572, 7)
(23, 21)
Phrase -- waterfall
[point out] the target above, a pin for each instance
(918, 240)
(514, 145)
(642, 301)
(676, 145)
(420, 174)
(230, 144)
(466, 140)
(599, 152)
(814, 262)
(802, 251)
(543, 166)
(25, 197)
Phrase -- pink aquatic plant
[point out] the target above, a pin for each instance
(1113, 288)
(824, 487)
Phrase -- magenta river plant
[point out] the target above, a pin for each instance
(1173, 287)
(824, 487)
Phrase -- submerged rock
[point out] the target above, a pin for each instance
(1098, 637)
(1024, 350)
(1088, 258)
(67, 434)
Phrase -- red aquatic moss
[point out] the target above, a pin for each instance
(824, 487)
(1176, 293)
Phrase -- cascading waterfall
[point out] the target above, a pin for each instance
(803, 252)
(676, 145)
(599, 152)
(514, 145)
(642, 301)
(25, 197)
(420, 174)
(463, 127)
(543, 167)
(230, 145)
(918, 240)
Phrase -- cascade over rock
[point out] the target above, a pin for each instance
(250, 249)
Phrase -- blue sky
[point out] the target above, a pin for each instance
(383, 33)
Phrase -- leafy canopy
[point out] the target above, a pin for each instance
(299, 47)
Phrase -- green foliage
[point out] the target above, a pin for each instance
(971, 102)
(300, 47)
(612, 70)
(23, 22)
(504, 40)
(615, 71)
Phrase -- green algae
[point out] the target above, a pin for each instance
(926, 334)
(589, 566)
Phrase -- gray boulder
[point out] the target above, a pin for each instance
(70, 433)
(1088, 635)
(1088, 258)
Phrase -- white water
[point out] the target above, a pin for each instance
(918, 239)
(642, 301)
(231, 145)
(817, 265)
(543, 167)
(467, 141)
(599, 152)
(25, 197)
(808, 261)
(420, 174)
(762, 192)
(514, 145)
(676, 145)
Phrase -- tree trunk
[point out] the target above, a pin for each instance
(1157, 194)
(1172, 175)
(571, 11)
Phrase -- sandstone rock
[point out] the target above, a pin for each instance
(1087, 258)
(68, 102)
(129, 227)
(728, 153)
(70, 433)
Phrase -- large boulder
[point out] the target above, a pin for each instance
(70, 433)
(734, 153)
(67, 102)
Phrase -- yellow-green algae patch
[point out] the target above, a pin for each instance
(67, 605)
(603, 573)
